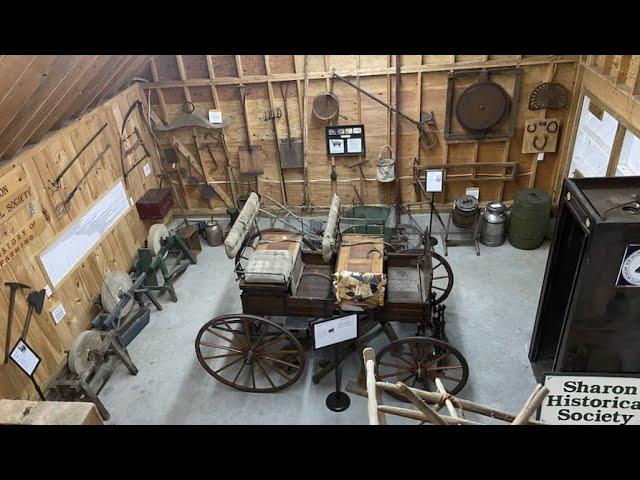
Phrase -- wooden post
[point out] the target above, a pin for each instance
(374, 394)
(447, 401)
(531, 405)
(430, 415)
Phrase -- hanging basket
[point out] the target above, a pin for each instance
(386, 167)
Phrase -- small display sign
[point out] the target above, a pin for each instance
(584, 399)
(629, 275)
(330, 332)
(433, 181)
(215, 116)
(345, 140)
(25, 357)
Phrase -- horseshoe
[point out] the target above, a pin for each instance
(529, 129)
(555, 126)
(544, 143)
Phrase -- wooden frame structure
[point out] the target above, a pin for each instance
(422, 400)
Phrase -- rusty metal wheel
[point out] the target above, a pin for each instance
(417, 361)
(442, 280)
(249, 353)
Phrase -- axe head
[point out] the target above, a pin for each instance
(36, 299)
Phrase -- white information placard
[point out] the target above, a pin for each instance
(58, 313)
(335, 331)
(25, 358)
(61, 257)
(433, 182)
(215, 116)
(473, 191)
(336, 146)
(354, 145)
(591, 400)
(147, 169)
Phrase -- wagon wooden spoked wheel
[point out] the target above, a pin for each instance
(417, 361)
(249, 353)
(442, 280)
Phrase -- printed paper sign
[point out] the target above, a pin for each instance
(433, 181)
(354, 145)
(58, 313)
(335, 331)
(215, 116)
(591, 400)
(25, 358)
(147, 169)
(336, 146)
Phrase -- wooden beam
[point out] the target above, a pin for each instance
(389, 70)
(623, 68)
(163, 105)
(183, 78)
(607, 65)
(616, 148)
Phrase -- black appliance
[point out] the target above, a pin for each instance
(588, 317)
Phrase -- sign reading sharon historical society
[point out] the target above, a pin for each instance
(591, 400)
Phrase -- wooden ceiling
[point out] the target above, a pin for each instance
(40, 93)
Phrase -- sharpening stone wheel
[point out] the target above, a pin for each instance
(78, 359)
(115, 284)
(157, 232)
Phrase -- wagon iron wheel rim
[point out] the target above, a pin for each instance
(249, 353)
(417, 361)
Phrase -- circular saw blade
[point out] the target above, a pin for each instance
(482, 106)
(115, 284)
(79, 358)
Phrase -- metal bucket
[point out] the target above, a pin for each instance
(213, 233)
(494, 225)
(465, 210)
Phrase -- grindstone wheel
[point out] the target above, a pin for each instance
(442, 280)
(157, 233)
(417, 361)
(79, 360)
(249, 353)
(115, 284)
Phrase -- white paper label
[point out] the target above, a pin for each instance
(26, 359)
(591, 400)
(541, 156)
(336, 146)
(354, 145)
(474, 192)
(58, 313)
(147, 169)
(215, 116)
(48, 291)
(335, 331)
(434, 181)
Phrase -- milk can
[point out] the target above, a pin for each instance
(493, 227)
(213, 232)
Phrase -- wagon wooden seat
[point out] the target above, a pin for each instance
(277, 261)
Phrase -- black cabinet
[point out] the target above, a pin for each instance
(588, 317)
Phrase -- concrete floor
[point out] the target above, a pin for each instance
(490, 315)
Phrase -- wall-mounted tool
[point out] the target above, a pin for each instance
(13, 287)
(271, 114)
(125, 152)
(540, 136)
(62, 208)
(291, 150)
(35, 300)
(482, 107)
(548, 95)
(428, 138)
(326, 106)
(251, 157)
(55, 184)
(190, 120)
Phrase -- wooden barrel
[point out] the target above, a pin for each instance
(529, 220)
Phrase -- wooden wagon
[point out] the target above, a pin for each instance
(285, 285)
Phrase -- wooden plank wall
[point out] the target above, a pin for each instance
(211, 81)
(78, 293)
